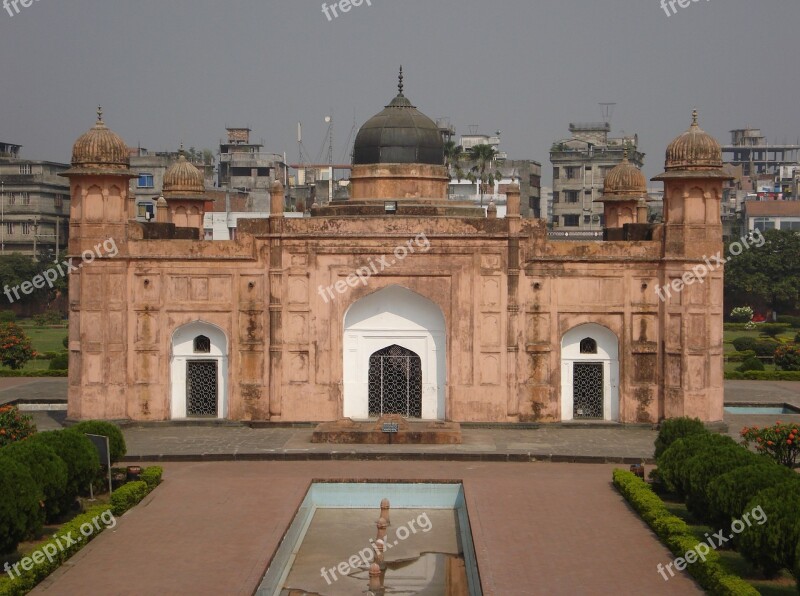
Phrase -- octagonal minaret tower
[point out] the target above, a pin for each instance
(691, 284)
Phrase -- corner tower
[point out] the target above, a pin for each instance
(98, 286)
(691, 283)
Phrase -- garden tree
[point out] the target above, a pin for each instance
(483, 157)
(16, 269)
(15, 346)
(768, 275)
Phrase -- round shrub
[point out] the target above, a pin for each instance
(676, 428)
(729, 493)
(65, 342)
(705, 467)
(751, 363)
(771, 545)
(15, 347)
(765, 348)
(14, 426)
(78, 453)
(47, 469)
(116, 441)
(672, 463)
(741, 314)
(744, 344)
(60, 362)
(20, 513)
(788, 357)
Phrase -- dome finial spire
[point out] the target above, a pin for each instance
(694, 117)
(99, 114)
(625, 154)
(400, 82)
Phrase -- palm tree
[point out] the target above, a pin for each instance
(483, 156)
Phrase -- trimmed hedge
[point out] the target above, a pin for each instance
(152, 476)
(764, 375)
(740, 356)
(672, 429)
(749, 364)
(59, 362)
(21, 515)
(128, 495)
(78, 453)
(773, 545)
(116, 441)
(745, 344)
(33, 373)
(46, 468)
(792, 321)
(676, 535)
(65, 549)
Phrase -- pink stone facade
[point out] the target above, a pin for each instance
(507, 294)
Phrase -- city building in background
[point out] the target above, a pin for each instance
(34, 205)
(580, 165)
(244, 166)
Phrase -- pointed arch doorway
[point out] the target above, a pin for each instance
(394, 356)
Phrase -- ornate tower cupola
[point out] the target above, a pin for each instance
(185, 192)
(98, 186)
(624, 189)
(399, 154)
(693, 180)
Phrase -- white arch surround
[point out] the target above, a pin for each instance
(607, 355)
(182, 351)
(394, 315)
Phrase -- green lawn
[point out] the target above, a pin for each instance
(44, 339)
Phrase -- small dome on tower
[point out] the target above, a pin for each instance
(399, 134)
(183, 178)
(625, 180)
(694, 150)
(100, 148)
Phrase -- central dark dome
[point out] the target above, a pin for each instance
(399, 134)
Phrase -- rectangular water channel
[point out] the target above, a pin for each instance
(330, 545)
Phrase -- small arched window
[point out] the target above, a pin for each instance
(588, 346)
(202, 345)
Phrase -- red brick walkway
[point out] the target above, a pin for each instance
(212, 527)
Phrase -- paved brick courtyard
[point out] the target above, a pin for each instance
(211, 528)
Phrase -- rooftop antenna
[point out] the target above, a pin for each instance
(608, 110)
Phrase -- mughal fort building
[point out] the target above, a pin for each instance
(397, 300)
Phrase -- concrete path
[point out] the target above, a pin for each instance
(211, 528)
(556, 443)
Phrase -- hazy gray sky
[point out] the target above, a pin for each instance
(168, 71)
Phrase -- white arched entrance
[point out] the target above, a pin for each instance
(199, 372)
(590, 374)
(394, 356)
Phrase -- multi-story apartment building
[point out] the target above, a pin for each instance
(149, 168)
(580, 165)
(245, 167)
(34, 205)
(750, 149)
